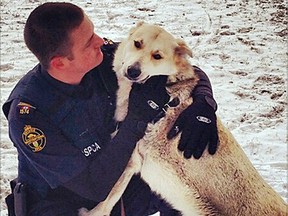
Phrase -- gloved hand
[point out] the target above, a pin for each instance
(199, 129)
(146, 100)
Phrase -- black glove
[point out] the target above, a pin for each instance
(147, 100)
(199, 129)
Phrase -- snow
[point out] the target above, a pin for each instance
(240, 44)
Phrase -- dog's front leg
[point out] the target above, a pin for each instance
(104, 208)
(123, 91)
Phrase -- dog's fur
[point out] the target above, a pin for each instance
(222, 184)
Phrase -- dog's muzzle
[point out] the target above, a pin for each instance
(133, 71)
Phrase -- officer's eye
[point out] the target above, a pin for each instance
(137, 44)
(157, 56)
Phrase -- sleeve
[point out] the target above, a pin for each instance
(203, 90)
(43, 145)
(60, 163)
(108, 166)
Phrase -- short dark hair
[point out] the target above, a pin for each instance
(47, 30)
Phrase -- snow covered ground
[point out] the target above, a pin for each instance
(241, 44)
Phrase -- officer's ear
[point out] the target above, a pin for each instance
(57, 63)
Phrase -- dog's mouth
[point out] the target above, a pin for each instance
(144, 80)
(137, 79)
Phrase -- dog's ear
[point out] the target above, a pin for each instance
(132, 30)
(139, 24)
(182, 48)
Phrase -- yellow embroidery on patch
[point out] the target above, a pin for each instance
(34, 138)
(24, 108)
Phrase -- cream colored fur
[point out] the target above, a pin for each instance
(223, 184)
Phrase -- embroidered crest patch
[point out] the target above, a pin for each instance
(34, 138)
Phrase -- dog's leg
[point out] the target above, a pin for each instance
(104, 208)
(122, 98)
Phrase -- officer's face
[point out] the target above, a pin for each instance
(86, 48)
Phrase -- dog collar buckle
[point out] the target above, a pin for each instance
(172, 103)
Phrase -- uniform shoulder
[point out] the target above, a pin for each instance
(19, 91)
(32, 92)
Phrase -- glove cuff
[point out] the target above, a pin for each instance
(200, 98)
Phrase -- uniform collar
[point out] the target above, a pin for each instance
(81, 90)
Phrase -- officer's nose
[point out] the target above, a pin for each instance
(98, 41)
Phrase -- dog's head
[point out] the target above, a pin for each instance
(148, 51)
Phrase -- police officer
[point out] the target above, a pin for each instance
(61, 116)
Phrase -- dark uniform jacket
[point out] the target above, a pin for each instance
(62, 132)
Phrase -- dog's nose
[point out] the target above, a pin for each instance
(134, 71)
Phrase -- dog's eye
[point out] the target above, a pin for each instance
(137, 44)
(157, 56)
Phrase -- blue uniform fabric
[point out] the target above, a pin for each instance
(73, 120)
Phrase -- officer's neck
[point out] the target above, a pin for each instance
(68, 77)
(65, 70)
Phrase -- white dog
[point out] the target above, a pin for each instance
(223, 184)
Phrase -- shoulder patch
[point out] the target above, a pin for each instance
(34, 138)
(25, 108)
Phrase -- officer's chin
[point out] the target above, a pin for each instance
(99, 59)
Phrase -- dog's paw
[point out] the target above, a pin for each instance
(83, 212)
